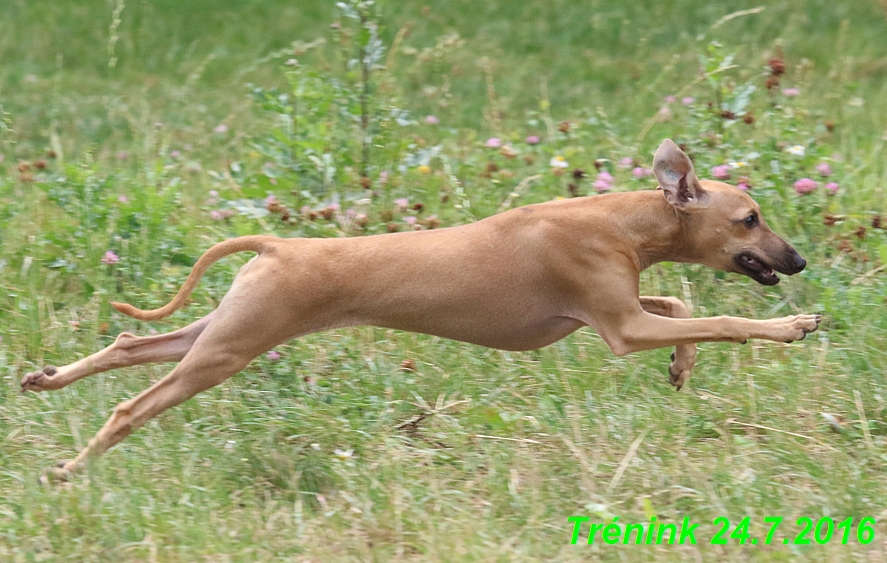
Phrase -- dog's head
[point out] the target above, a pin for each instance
(722, 226)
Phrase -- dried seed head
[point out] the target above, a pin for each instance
(829, 220)
(578, 174)
(393, 227)
(24, 166)
(748, 118)
(876, 222)
(365, 182)
(564, 127)
(408, 365)
(860, 232)
(777, 66)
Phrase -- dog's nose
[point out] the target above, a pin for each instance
(800, 263)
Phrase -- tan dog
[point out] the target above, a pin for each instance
(519, 280)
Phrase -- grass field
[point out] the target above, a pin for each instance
(137, 134)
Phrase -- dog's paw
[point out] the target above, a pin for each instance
(55, 475)
(682, 361)
(40, 380)
(796, 327)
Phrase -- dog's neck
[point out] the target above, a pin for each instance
(660, 232)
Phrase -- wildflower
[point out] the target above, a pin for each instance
(558, 162)
(737, 164)
(743, 186)
(824, 169)
(75, 324)
(687, 100)
(777, 66)
(402, 203)
(532, 140)
(790, 92)
(273, 356)
(220, 128)
(175, 154)
(383, 178)
(797, 150)
(110, 258)
(424, 169)
(122, 199)
(431, 120)
(805, 186)
(344, 454)
(601, 186)
(508, 151)
(832, 188)
(605, 176)
(291, 62)
(670, 99)
(625, 162)
(216, 215)
(641, 172)
(721, 172)
(493, 143)
(410, 220)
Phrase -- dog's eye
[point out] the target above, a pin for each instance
(751, 221)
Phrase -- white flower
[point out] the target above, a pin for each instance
(739, 164)
(558, 162)
(797, 150)
(344, 454)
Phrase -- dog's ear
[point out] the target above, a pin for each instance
(676, 176)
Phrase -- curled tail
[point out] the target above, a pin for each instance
(257, 243)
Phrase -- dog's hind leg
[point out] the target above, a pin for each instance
(684, 357)
(127, 350)
(219, 352)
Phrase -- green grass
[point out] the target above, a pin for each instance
(509, 444)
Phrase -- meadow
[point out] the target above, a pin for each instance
(134, 135)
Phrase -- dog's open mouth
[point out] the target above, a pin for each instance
(756, 269)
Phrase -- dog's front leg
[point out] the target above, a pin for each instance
(684, 357)
(640, 330)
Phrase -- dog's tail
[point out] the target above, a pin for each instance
(257, 243)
